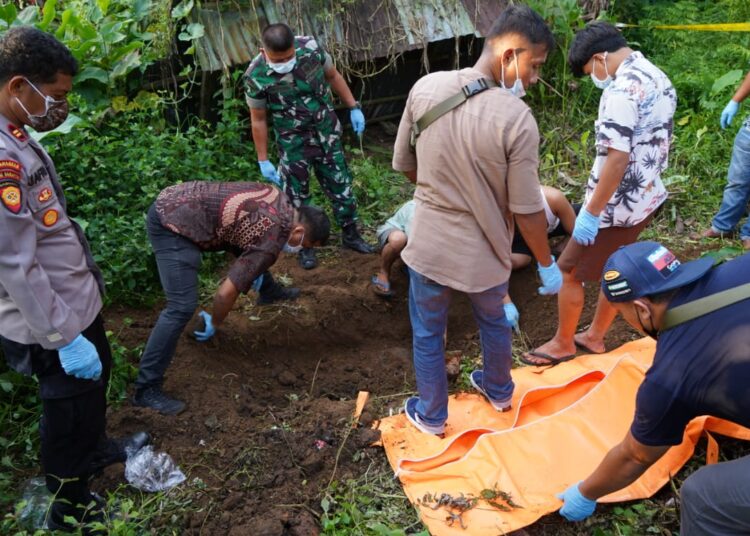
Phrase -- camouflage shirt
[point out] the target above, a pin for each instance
(299, 103)
(249, 219)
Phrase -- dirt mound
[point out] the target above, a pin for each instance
(268, 423)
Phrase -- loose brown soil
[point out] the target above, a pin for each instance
(270, 399)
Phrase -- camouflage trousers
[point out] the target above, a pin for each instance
(333, 176)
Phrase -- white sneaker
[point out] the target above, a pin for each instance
(476, 381)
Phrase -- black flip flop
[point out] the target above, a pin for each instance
(551, 360)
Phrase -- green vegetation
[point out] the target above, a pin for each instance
(122, 150)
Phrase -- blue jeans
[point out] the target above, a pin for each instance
(737, 191)
(178, 260)
(428, 310)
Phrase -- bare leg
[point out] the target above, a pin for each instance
(391, 251)
(593, 338)
(519, 260)
(569, 307)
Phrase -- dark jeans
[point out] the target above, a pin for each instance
(73, 414)
(178, 260)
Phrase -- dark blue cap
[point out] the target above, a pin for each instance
(647, 268)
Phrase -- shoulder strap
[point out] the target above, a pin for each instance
(442, 108)
(702, 306)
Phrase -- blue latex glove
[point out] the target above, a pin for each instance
(552, 278)
(269, 172)
(257, 283)
(730, 110)
(79, 358)
(576, 507)
(511, 315)
(358, 120)
(586, 228)
(209, 331)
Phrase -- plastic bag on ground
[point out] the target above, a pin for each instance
(36, 501)
(150, 471)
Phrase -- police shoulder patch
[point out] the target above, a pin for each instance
(17, 133)
(50, 217)
(10, 196)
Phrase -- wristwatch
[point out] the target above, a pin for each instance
(357, 106)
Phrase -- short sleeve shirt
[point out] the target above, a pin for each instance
(701, 367)
(401, 220)
(476, 166)
(251, 220)
(635, 116)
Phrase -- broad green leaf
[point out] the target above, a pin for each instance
(65, 128)
(192, 31)
(729, 79)
(141, 9)
(27, 17)
(8, 12)
(182, 9)
(103, 6)
(126, 49)
(48, 14)
(65, 19)
(86, 31)
(6, 386)
(129, 62)
(92, 73)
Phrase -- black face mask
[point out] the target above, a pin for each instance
(653, 333)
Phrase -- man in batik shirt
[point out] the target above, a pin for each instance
(251, 220)
(633, 135)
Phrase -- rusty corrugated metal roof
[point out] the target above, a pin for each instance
(365, 30)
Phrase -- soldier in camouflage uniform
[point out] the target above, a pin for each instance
(291, 79)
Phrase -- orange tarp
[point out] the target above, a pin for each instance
(564, 420)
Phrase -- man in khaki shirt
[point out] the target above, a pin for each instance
(475, 167)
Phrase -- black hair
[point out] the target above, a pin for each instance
(596, 37)
(524, 21)
(35, 54)
(316, 223)
(278, 37)
(663, 297)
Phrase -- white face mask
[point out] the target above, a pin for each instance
(294, 249)
(517, 89)
(283, 68)
(604, 82)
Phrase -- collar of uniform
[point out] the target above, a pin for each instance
(17, 135)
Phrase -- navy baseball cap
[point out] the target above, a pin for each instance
(647, 268)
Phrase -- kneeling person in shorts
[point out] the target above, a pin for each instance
(392, 237)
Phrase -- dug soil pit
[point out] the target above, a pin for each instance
(270, 399)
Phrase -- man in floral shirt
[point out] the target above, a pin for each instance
(255, 222)
(624, 190)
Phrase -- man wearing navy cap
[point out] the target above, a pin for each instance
(701, 367)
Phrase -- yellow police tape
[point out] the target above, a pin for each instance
(727, 27)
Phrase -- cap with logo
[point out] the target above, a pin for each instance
(647, 268)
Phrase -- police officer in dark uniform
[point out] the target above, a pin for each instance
(50, 287)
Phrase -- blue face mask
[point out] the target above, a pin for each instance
(283, 68)
(603, 82)
(517, 89)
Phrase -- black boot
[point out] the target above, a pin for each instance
(350, 238)
(307, 258)
(85, 511)
(270, 291)
(116, 450)
(153, 397)
(73, 499)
